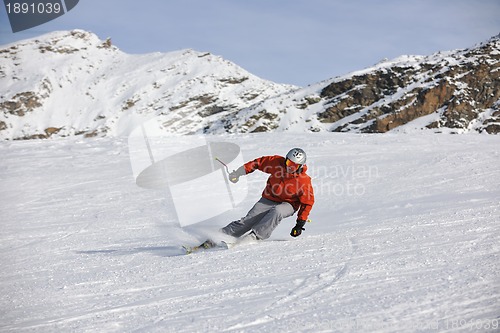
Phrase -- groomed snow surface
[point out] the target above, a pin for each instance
(405, 237)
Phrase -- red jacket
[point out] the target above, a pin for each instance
(294, 188)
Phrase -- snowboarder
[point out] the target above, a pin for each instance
(287, 191)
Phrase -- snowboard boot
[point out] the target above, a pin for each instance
(208, 244)
(249, 239)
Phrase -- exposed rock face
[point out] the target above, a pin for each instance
(453, 92)
(458, 87)
(21, 103)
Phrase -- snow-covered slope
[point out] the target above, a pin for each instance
(73, 83)
(405, 238)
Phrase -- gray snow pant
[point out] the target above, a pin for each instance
(263, 218)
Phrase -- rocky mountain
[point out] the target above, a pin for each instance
(453, 92)
(73, 83)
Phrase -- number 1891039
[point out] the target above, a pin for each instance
(34, 8)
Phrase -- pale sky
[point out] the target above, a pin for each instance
(298, 42)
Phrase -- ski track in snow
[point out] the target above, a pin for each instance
(405, 238)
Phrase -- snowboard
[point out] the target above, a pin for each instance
(223, 245)
(212, 246)
(205, 246)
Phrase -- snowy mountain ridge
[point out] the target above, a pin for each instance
(72, 83)
(454, 92)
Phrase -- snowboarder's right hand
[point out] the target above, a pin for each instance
(235, 175)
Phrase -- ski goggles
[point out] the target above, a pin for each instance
(292, 166)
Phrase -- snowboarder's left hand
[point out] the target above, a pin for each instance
(297, 230)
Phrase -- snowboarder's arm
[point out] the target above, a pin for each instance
(262, 163)
(304, 212)
(306, 198)
(249, 167)
(301, 219)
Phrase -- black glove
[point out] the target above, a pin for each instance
(236, 174)
(297, 230)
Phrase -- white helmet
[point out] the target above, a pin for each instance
(297, 155)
